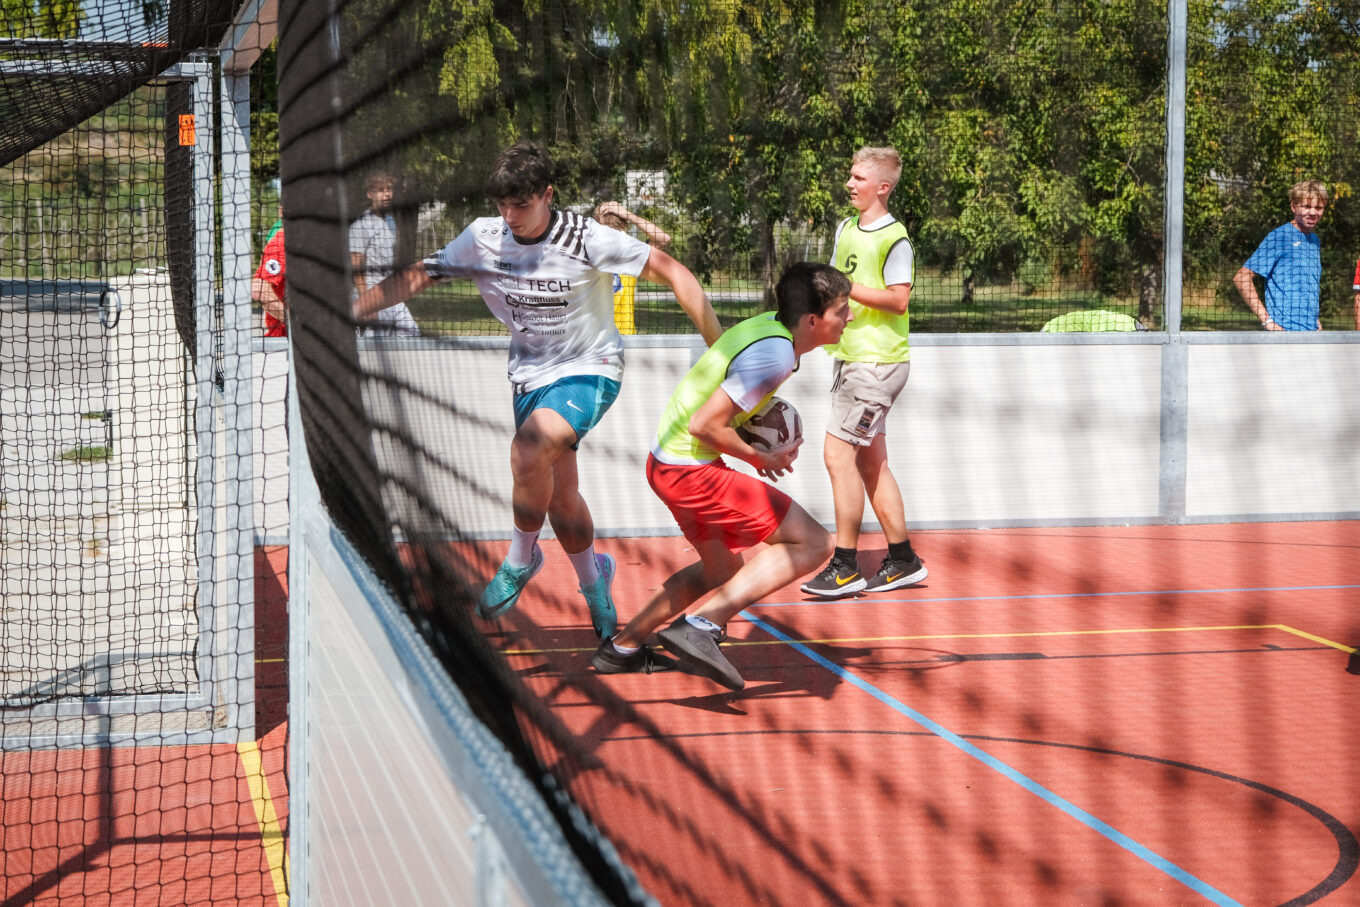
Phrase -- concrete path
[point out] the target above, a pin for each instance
(97, 513)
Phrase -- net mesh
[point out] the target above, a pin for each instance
(127, 666)
(99, 503)
(1033, 190)
(63, 63)
(1034, 183)
(1033, 193)
(1271, 102)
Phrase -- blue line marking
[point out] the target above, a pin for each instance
(1034, 787)
(1010, 598)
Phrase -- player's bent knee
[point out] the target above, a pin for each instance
(807, 539)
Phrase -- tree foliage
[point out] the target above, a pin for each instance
(1274, 91)
(40, 18)
(1033, 131)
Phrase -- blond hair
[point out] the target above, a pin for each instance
(887, 163)
(1301, 192)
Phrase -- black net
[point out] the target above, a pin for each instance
(1035, 169)
(1035, 160)
(63, 63)
(81, 220)
(128, 663)
(732, 136)
(1036, 157)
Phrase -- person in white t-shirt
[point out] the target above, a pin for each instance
(548, 276)
(372, 251)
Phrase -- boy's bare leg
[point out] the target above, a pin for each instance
(847, 489)
(567, 510)
(682, 589)
(885, 495)
(543, 439)
(796, 548)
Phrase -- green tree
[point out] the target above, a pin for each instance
(264, 116)
(1032, 132)
(41, 18)
(1273, 91)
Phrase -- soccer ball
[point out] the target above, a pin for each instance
(774, 428)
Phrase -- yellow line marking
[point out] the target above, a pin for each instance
(271, 835)
(270, 661)
(767, 642)
(1325, 642)
(888, 639)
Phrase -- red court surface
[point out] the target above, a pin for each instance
(1131, 715)
(198, 825)
(1115, 716)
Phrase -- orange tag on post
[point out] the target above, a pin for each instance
(188, 130)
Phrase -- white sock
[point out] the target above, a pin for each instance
(703, 623)
(522, 547)
(586, 569)
(624, 650)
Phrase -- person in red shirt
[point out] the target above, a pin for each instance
(267, 287)
(1356, 287)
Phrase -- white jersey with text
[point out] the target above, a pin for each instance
(555, 295)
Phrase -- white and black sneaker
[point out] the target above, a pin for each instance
(837, 580)
(894, 574)
(646, 660)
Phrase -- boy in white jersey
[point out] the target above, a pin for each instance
(872, 363)
(722, 511)
(548, 276)
(372, 252)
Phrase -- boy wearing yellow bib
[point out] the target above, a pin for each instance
(722, 511)
(873, 359)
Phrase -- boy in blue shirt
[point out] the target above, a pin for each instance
(1290, 260)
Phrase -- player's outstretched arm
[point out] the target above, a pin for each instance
(662, 268)
(396, 288)
(264, 294)
(655, 235)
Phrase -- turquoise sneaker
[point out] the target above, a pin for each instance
(503, 591)
(602, 613)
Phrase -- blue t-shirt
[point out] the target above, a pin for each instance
(1291, 262)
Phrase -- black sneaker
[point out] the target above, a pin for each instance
(896, 574)
(609, 660)
(837, 580)
(700, 649)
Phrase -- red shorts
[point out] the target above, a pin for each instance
(715, 502)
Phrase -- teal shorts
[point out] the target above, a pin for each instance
(580, 399)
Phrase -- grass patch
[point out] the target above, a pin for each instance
(454, 309)
(87, 454)
(94, 415)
